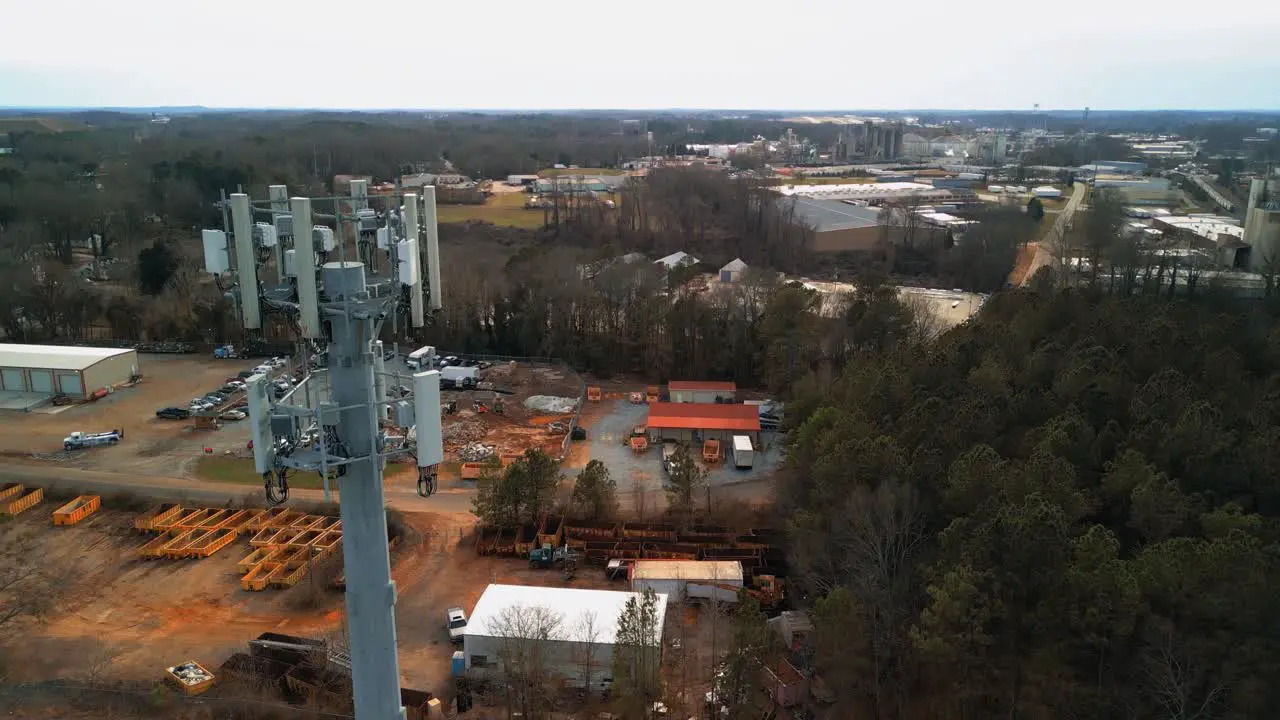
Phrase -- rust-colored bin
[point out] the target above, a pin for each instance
(154, 548)
(290, 577)
(77, 510)
(263, 537)
(191, 678)
(256, 579)
(279, 574)
(234, 521)
(22, 504)
(329, 542)
(176, 548)
(252, 521)
(285, 519)
(190, 518)
(283, 536)
(158, 518)
(10, 491)
(211, 543)
(325, 523)
(214, 520)
(258, 556)
(306, 537)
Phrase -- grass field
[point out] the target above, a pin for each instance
(552, 172)
(240, 471)
(500, 209)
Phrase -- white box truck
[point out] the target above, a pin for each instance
(421, 359)
(743, 452)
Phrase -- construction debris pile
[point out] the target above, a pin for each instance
(464, 431)
(551, 404)
(476, 452)
(286, 542)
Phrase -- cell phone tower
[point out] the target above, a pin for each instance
(339, 421)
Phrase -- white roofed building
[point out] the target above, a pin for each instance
(509, 617)
(35, 372)
(676, 260)
(732, 271)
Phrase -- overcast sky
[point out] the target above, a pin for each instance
(797, 54)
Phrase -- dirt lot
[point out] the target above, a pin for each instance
(152, 446)
(145, 614)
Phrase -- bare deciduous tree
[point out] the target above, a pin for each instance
(525, 636)
(586, 643)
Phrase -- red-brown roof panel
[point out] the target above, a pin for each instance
(704, 416)
(702, 385)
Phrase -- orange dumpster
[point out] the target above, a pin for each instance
(158, 518)
(77, 510)
(10, 491)
(256, 557)
(22, 504)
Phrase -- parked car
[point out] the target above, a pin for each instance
(200, 406)
(215, 398)
(263, 369)
(456, 621)
(277, 362)
(173, 413)
(233, 415)
(246, 374)
(228, 389)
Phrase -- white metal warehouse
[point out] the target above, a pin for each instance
(672, 577)
(490, 628)
(76, 371)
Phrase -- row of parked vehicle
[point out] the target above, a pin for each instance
(211, 401)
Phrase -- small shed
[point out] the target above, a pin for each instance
(671, 577)
(701, 391)
(732, 272)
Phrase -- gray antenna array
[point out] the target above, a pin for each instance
(338, 421)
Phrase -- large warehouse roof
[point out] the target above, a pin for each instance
(54, 357)
(704, 416)
(608, 605)
(827, 215)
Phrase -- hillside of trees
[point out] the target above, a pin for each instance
(1066, 508)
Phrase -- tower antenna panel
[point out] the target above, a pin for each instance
(409, 262)
(304, 264)
(264, 446)
(246, 261)
(433, 246)
(426, 413)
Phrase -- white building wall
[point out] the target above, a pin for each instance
(564, 659)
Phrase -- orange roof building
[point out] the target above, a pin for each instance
(704, 416)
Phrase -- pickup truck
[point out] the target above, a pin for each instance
(79, 440)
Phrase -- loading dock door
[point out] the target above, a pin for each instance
(13, 380)
(70, 384)
(42, 381)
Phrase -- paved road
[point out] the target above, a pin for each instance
(1044, 249)
(401, 494)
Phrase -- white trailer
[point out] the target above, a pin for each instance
(717, 592)
(458, 376)
(743, 452)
